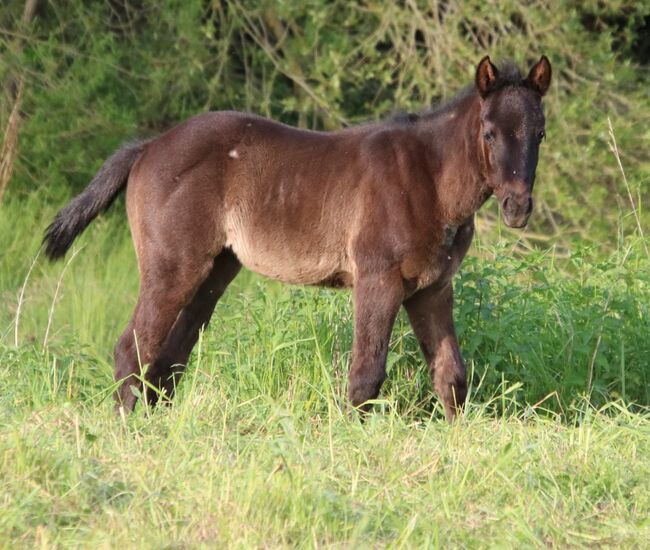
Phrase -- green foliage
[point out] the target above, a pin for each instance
(100, 72)
(561, 330)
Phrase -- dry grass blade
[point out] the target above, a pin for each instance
(56, 296)
(614, 148)
(21, 297)
(10, 141)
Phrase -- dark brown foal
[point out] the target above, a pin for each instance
(385, 208)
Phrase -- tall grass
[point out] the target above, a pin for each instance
(560, 329)
(241, 461)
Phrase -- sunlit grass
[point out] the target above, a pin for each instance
(230, 464)
(260, 447)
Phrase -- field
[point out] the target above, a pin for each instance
(260, 447)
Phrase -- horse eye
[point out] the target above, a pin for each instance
(489, 137)
(541, 136)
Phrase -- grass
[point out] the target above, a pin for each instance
(221, 468)
(240, 461)
(260, 448)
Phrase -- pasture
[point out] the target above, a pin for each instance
(261, 447)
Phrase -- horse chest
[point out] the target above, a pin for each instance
(440, 264)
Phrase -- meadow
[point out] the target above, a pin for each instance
(260, 447)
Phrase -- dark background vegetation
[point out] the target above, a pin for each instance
(99, 72)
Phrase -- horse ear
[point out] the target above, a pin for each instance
(539, 77)
(486, 76)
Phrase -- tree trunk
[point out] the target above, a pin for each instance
(16, 89)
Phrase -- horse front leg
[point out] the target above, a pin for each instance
(377, 299)
(430, 312)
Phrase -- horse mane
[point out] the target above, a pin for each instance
(509, 75)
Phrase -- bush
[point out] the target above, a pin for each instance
(100, 72)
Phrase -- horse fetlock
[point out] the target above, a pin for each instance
(453, 392)
(364, 387)
(125, 397)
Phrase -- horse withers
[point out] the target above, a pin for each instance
(385, 208)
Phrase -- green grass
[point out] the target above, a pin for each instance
(260, 447)
(227, 465)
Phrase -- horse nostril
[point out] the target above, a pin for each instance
(505, 203)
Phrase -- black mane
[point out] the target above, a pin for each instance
(509, 75)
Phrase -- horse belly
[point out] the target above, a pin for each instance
(283, 255)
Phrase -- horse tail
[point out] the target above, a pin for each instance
(107, 184)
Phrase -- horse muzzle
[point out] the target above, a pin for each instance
(516, 210)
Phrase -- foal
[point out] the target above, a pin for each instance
(386, 209)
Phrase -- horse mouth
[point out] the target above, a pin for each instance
(516, 223)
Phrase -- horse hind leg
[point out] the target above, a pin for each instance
(166, 288)
(165, 372)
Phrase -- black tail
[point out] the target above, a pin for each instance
(97, 197)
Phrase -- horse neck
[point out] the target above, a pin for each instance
(458, 170)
